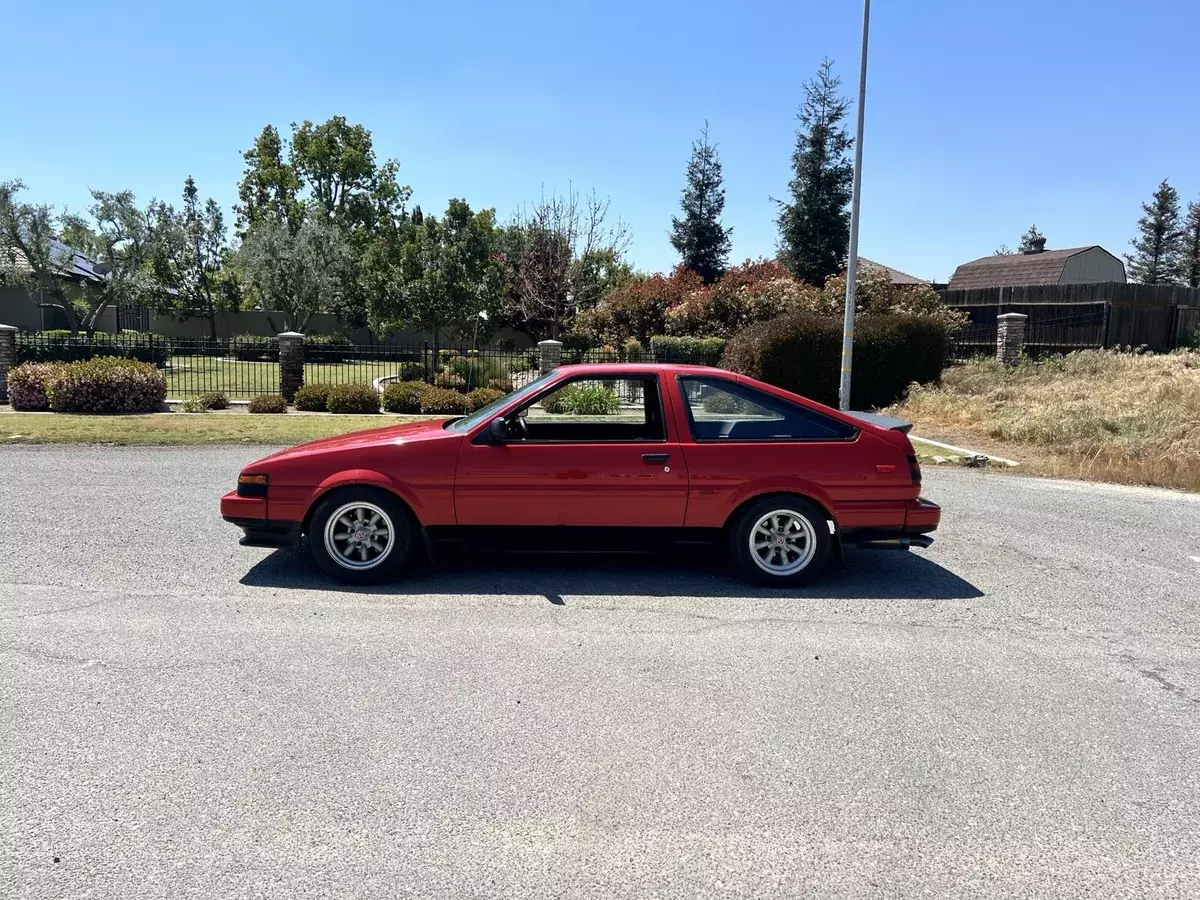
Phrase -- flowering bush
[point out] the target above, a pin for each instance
(450, 381)
(876, 295)
(404, 396)
(637, 310)
(107, 385)
(352, 398)
(27, 385)
(268, 403)
(745, 295)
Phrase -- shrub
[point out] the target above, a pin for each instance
(722, 402)
(411, 370)
(327, 348)
(312, 398)
(107, 385)
(193, 405)
(801, 354)
(477, 371)
(503, 385)
(445, 355)
(443, 401)
(404, 396)
(671, 348)
(638, 309)
(582, 400)
(254, 347)
(268, 403)
(450, 381)
(27, 385)
(214, 400)
(353, 398)
(632, 350)
(481, 397)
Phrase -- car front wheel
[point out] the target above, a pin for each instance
(360, 535)
(780, 541)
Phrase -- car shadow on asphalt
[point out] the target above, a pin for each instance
(867, 574)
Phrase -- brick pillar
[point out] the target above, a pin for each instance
(8, 357)
(291, 364)
(551, 352)
(1010, 337)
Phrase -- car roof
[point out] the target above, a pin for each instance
(600, 368)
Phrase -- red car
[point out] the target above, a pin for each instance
(632, 452)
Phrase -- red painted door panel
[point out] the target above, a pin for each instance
(570, 484)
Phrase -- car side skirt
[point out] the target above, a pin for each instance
(570, 539)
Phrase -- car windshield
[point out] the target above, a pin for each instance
(482, 415)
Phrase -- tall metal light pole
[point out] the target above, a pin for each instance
(852, 262)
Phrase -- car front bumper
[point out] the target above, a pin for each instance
(250, 515)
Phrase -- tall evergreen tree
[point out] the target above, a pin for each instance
(1190, 268)
(814, 225)
(1028, 238)
(699, 237)
(1156, 256)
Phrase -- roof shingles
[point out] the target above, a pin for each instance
(1012, 270)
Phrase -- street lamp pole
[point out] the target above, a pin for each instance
(852, 262)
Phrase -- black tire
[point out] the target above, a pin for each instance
(355, 570)
(807, 525)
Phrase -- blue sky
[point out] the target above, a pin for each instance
(982, 117)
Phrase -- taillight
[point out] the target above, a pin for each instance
(914, 469)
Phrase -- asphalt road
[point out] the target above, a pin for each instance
(1012, 713)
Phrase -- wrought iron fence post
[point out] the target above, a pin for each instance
(8, 357)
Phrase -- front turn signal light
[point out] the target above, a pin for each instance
(252, 486)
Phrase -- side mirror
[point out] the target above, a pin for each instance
(498, 429)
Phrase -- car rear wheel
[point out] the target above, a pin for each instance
(360, 535)
(780, 541)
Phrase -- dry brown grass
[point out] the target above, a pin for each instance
(1095, 414)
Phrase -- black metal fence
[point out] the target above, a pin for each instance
(1049, 329)
(246, 366)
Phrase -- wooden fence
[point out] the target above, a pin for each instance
(1069, 316)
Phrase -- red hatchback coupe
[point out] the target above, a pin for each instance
(597, 452)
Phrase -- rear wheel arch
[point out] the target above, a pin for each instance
(737, 512)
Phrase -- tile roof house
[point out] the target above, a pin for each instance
(1077, 265)
(898, 277)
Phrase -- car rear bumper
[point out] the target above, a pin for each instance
(250, 515)
(921, 516)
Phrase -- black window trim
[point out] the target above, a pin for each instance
(737, 387)
(559, 385)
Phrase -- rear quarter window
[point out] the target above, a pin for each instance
(722, 410)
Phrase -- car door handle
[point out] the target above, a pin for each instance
(655, 457)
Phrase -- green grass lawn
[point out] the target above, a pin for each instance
(177, 429)
(238, 380)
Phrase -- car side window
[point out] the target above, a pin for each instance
(591, 410)
(722, 410)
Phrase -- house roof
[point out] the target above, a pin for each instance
(74, 264)
(896, 275)
(1014, 269)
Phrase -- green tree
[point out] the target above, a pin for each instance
(814, 224)
(296, 274)
(699, 238)
(1190, 264)
(270, 186)
(435, 275)
(30, 255)
(187, 254)
(1029, 238)
(1156, 256)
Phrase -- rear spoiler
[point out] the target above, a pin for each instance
(889, 422)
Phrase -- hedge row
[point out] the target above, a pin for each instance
(104, 385)
(418, 397)
(802, 354)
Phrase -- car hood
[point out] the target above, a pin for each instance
(389, 434)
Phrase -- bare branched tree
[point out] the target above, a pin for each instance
(560, 238)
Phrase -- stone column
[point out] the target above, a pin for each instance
(8, 357)
(551, 352)
(1010, 337)
(291, 364)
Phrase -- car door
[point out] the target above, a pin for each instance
(606, 456)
